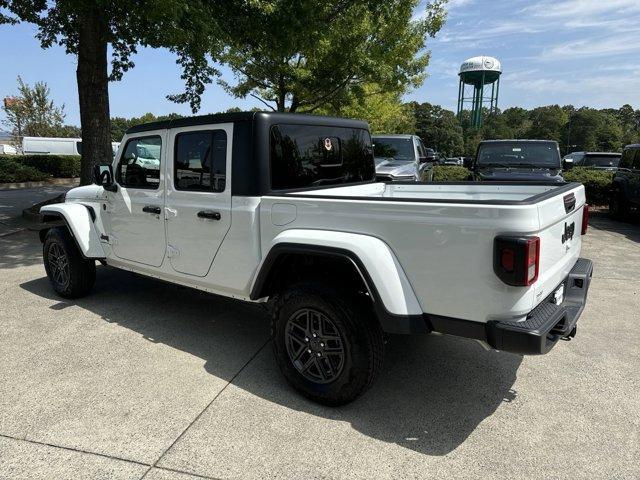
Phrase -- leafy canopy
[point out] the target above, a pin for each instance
(299, 55)
(32, 112)
(184, 27)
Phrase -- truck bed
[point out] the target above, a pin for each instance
(457, 192)
(443, 236)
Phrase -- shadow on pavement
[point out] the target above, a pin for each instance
(21, 249)
(630, 228)
(433, 393)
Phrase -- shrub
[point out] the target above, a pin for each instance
(597, 183)
(450, 173)
(12, 171)
(58, 166)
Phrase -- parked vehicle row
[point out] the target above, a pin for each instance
(284, 210)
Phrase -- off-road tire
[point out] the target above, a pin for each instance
(61, 252)
(360, 332)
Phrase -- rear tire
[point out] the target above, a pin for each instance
(328, 346)
(619, 208)
(70, 274)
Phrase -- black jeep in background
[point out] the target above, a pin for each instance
(516, 160)
(625, 192)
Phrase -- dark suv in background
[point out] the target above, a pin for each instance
(596, 160)
(516, 160)
(625, 192)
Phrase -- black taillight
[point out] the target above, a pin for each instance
(516, 260)
(585, 218)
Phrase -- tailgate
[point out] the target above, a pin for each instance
(560, 220)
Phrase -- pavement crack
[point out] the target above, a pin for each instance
(154, 465)
(77, 450)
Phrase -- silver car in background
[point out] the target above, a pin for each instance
(402, 158)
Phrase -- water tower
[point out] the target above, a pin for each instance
(475, 74)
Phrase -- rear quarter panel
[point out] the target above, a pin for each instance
(446, 250)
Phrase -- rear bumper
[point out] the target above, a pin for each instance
(548, 322)
(544, 326)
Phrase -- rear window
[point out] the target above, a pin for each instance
(304, 156)
(521, 154)
(601, 161)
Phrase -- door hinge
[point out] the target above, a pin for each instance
(172, 251)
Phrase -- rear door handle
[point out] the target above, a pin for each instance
(152, 209)
(208, 214)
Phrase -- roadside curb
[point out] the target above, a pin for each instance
(64, 182)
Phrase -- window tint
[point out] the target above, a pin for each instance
(139, 165)
(311, 156)
(601, 160)
(539, 154)
(201, 161)
(400, 149)
(627, 158)
(79, 147)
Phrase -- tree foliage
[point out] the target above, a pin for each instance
(33, 113)
(302, 55)
(438, 128)
(90, 29)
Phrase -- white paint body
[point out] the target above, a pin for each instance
(423, 256)
(56, 146)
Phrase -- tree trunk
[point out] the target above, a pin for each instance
(93, 92)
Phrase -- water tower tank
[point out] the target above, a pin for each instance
(475, 74)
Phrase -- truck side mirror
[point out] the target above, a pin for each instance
(103, 175)
(467, 163)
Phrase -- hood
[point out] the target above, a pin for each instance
(86, 192)
(519, 174)
(394, 168)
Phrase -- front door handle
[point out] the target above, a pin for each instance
(208, 214)
(152, 209)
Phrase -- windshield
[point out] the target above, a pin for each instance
(397, 148)
(519, 154)
(601, 161)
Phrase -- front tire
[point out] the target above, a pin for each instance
(328, 346)
(70, 274)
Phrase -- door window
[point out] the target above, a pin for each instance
(201, 161)
(139, 165)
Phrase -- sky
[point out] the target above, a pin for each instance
(580, 52)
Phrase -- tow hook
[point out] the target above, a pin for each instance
(572, 334)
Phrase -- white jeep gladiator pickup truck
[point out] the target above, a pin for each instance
(283, 209)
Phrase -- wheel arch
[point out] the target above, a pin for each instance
(367, 258)
(79, 220)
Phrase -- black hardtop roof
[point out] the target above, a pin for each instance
(271, 117)
(518, 140)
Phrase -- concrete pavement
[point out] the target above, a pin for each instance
(146, 379)
(12, 202)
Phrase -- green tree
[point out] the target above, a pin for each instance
(593, 130)
(33, 113)
(384, 112)
(299, 56)
(88, 29)
(548, 123)
(439, 129)
(518, 119)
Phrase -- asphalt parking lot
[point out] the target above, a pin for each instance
(146, 379)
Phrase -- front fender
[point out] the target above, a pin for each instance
(375, 261)
(79, 221)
